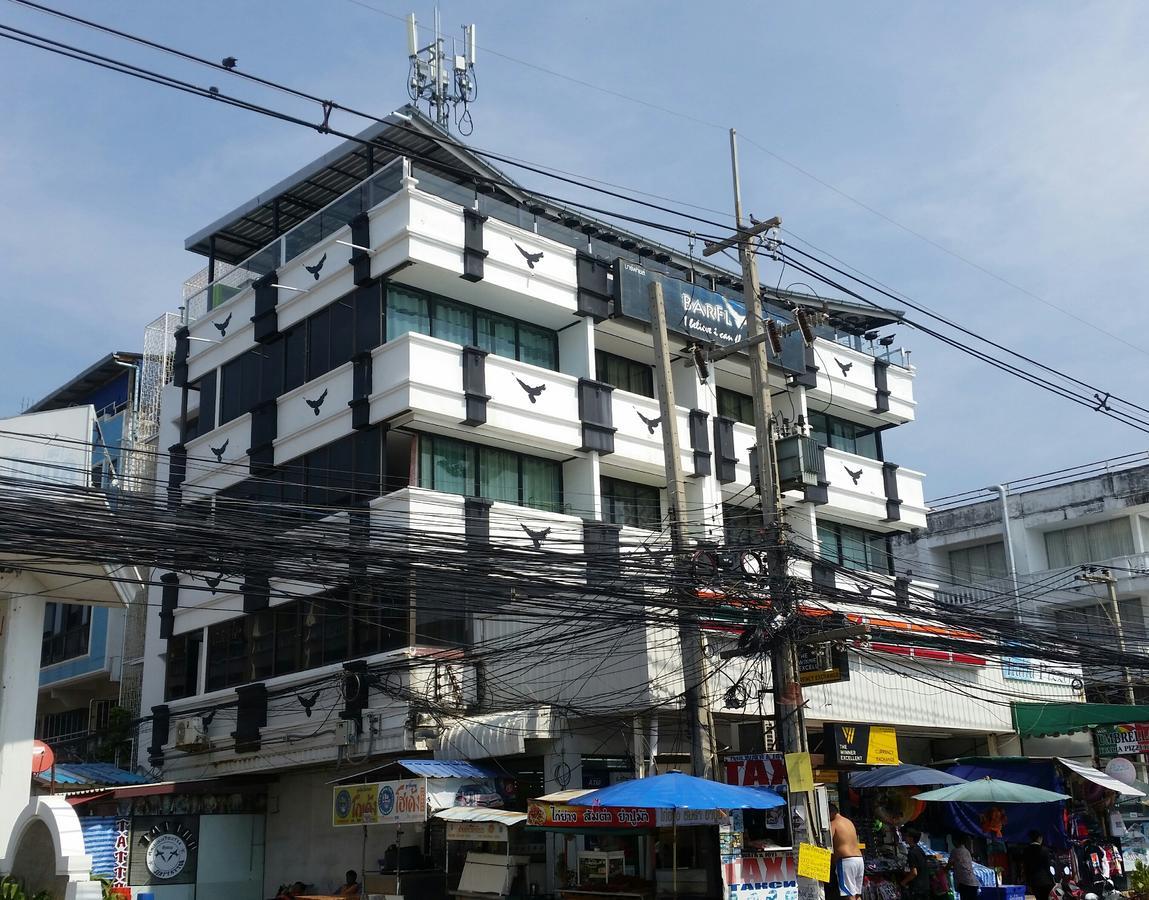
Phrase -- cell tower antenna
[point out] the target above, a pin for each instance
(445, 82)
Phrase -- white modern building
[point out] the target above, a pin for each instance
(394, 346)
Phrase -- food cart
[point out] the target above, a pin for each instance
(482, 833)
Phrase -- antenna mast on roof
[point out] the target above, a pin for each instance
(446, 83)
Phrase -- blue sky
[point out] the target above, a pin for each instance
(1014, 135)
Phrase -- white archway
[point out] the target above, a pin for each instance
(51, 820)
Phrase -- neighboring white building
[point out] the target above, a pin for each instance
(1090, 515)
(480, 362)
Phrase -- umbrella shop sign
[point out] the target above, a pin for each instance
(541, 814)
(694, 311)
(379, 803)
(1119, 740)
(772, 877)
(860, 745)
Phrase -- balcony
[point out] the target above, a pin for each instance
(870, 493)
(867, 389)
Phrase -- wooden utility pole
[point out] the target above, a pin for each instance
(696, 695)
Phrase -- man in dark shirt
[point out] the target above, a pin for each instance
(916, 880)
(1038, 862)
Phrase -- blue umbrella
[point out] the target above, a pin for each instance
(903, 775)
(678, 791)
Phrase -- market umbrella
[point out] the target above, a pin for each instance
(992, 790)
(678, 791)
(903, 775)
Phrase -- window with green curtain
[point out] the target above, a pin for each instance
(736, 406)
(451, 321)
(407, 311)
(628, 503)
(446, 465)
(853, 548)
(542, 484)
(538, 346)
(1089, 543)
(625, 374)
(971, 564)
(498, 475)
(496, 334)
(841, 434)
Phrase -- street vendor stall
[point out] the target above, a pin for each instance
(487, 867)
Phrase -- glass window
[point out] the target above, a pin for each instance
(1089, 543)
(736, 406)
(440, 611)
(342, 330)
(971, 564)
(854, 548)
(840, 434)
(294, 356)
(625, 374)
(451, 321)
(496, 334)
(407, 311)
(446, 465)
(319, 344)
(627, 503)
(368, 318)
(538, 346)
(181, 677)
(67, 630)
(498, 475)
(542, 484)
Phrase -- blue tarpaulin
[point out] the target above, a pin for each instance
(1020, 818)
(90, 775)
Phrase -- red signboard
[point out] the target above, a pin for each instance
(551, 815)
(766, 770)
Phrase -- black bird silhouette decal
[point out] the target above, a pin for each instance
(221, 327)
(531, 258)
(308, 702)
(845, 367)
(213, 583)
(537, 537)
(866, 592)
(854, 475)
(317, 268)
(315, 404)
(650, 424)
(220, 450)
(532, 392)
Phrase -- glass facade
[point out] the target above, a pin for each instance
(840, 434)
(854, 548)
(457, 467)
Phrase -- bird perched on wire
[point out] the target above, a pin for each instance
(229, 62)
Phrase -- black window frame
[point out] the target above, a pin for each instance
(860, 432)
(181, 666)
(883, 565)
(474, 464)
(735, 405)
(70, 634)
(616, 491)
(639, 378)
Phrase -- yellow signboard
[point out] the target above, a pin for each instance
(799, 772)
(883, 746)
(814, 862)
(355, 804)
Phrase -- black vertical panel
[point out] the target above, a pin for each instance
(724, 449)
(207, 391)
(597, 414)
(477, 531)
(822, 574)
(250, 716)
(754, 482)
(369, 317)
(264, 430)
(355, 690)
(265, 322)
(902, 591)
(256, 591)
(475, 385)
(893, 501)
(361, 384)
(601, 550)
(177, 472)
(809, 378)
(180, 359)
(593, 298)
(700, 441)
(474, 256)
(169, 600)
(881, 386)
(271, 369)
(294, 356)
(161, 726)
(361, 259)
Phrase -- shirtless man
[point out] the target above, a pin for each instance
(847, 854)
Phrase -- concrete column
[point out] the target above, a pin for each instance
(580, 486)
(21, 629)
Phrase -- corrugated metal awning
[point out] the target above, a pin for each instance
(480, 814)
(497, 734)
(444, 768)
(87, 775)
(1101, 778)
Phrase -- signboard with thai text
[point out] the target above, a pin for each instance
(541, 814)
(379, 803)
(476, 831)
(860, 745)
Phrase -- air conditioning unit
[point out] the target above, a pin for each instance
(191, 734)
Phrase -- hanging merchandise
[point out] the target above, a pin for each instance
(897, 805)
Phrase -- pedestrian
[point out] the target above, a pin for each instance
(961, 864)
(1038, 863)
(847, 855)
(916, 879)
